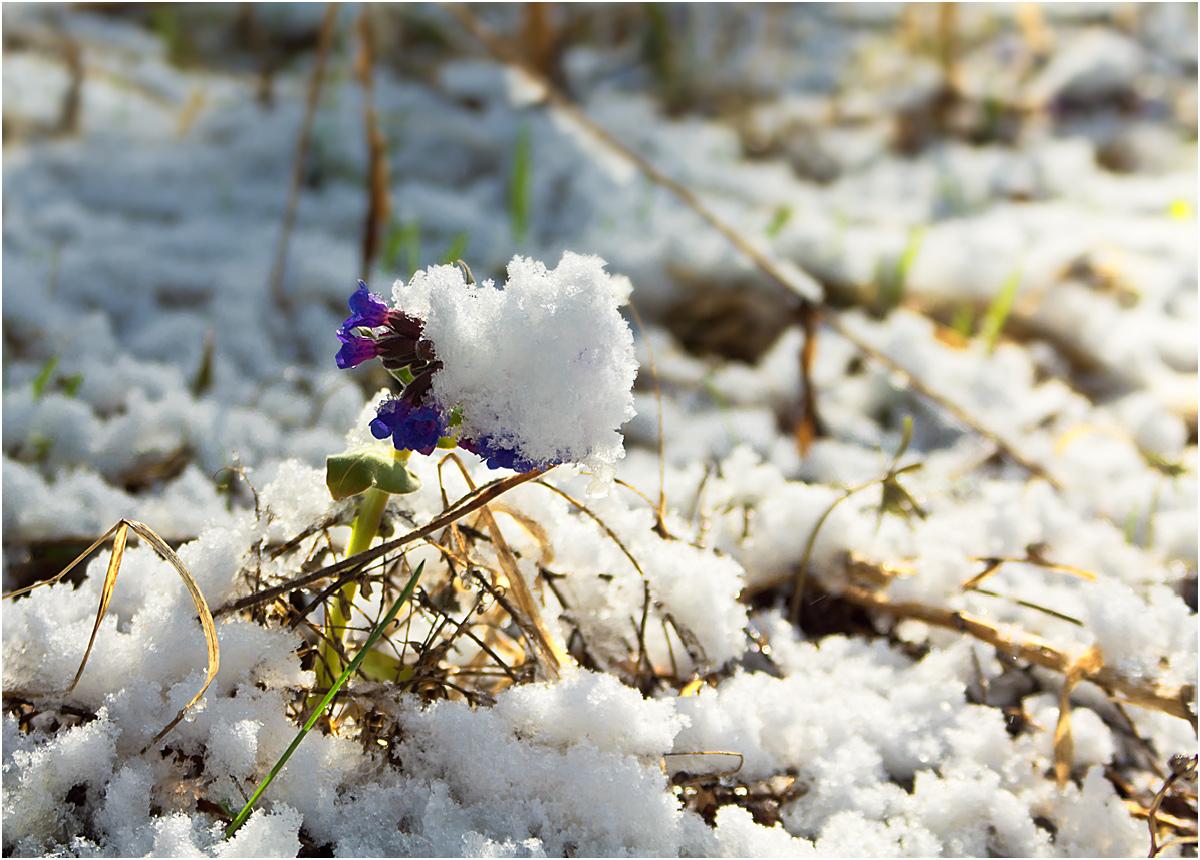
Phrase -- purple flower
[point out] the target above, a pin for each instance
(396, 339)
(355, 349)
(395, 336)
(499, 456)
(366, 310)
(417, 428)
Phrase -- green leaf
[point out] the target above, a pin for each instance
(380, 667)
(357, 471)
(891, 274)
(70, 384)
(457, 246)
(203, 380)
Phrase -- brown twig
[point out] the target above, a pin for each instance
(1183, 768)
(1142, 692)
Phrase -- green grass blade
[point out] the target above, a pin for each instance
(891, 276)
(457, 246)
(782, 215)
(519, 186)
(963, 320)
(43, 378)
(403, 238)
(997, 314)
(337, 685)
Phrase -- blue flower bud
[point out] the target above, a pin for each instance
(366, 310)
(355, 350)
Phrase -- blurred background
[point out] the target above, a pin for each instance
(191, 190)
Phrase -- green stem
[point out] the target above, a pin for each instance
(337, 685)
(366, 526)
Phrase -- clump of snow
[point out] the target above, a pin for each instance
(542, 365)
(38, 776)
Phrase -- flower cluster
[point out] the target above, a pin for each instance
(413, 421)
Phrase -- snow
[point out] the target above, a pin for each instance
(555, 336)
(692, 716)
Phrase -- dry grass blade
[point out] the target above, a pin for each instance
(550, 654)
(1064, 740)
(1183, 768)
(206, 619)
(612, 535)
(681, 766)
(121, 531)
(58, 576)
(808, 428)
(110, 582)
(993, 563)
(660, 510)
(643, 658)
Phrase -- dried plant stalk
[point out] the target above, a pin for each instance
(550, 653)
(528, 617)
(1064, 740)
(1142, 692)
(293, 201)
(378, 199)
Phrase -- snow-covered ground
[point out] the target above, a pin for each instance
(1048, 538)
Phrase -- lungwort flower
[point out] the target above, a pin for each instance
(415, 428)
(526, 375)
(412, 421)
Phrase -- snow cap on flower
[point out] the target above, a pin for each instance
(541, 368)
